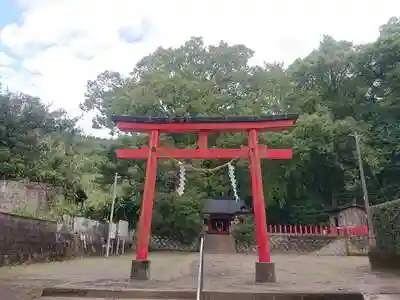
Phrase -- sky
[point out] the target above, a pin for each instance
(50, 48)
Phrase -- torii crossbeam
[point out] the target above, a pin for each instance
(203, 126)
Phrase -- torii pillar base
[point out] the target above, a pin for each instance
(265, 272)
(140, 270)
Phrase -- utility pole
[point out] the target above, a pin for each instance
(364, 188)
(114, 195)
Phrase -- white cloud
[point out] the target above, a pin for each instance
(63, 43)
(6, 60)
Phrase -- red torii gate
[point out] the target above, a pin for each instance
(265, 270)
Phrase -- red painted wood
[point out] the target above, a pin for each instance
(276, 125)
(264, 153)
(146, 211)
(262, 238)
(154, 152)
(202, 142)
(317, 230)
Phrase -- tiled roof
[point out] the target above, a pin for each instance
(190, 119)
(225, 206)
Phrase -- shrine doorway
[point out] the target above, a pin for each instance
(220, 212)
(219, 225)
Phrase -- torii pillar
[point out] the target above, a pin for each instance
(264, 269)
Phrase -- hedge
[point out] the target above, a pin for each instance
(244, 233)
(386, 224)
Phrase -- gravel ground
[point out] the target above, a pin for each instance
(230, 272)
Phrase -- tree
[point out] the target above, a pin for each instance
(43, 146)
(217, 80)
(192, 79)
(337, 89)
(378, 70)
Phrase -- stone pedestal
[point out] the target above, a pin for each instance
(265, 272)
(140, 270)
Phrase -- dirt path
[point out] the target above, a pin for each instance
(23, 282)
(300, 273)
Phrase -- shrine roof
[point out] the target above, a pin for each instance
(190, 119)
(225, 206)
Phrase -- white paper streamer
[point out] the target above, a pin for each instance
(232, 177)
(182, 177)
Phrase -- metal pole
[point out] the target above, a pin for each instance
(114, 195)
(200, 270)
(364, 188)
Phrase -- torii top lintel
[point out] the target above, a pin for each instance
(196, 124)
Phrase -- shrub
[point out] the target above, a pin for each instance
(386, 223)
(244, 233)
(179, 218)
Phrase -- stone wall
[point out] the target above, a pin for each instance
(165, 243)
(280, 243)
(317, 244)
(158, 243)
(19, 195)
(26, 240)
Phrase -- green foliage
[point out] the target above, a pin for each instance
(45, 146)
(174, 217)
(33, 139)
(337, 89)
(126, 209)
(386, 224)
(178, 217)
(244, 233)
(331, 89)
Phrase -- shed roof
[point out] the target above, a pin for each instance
(345, 207)
(331, 211)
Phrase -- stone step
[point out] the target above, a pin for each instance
(57, 292)
(85, 298)
(219, 243)
(366, 297)
(219, 295)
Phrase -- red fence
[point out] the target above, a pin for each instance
(317, 230)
